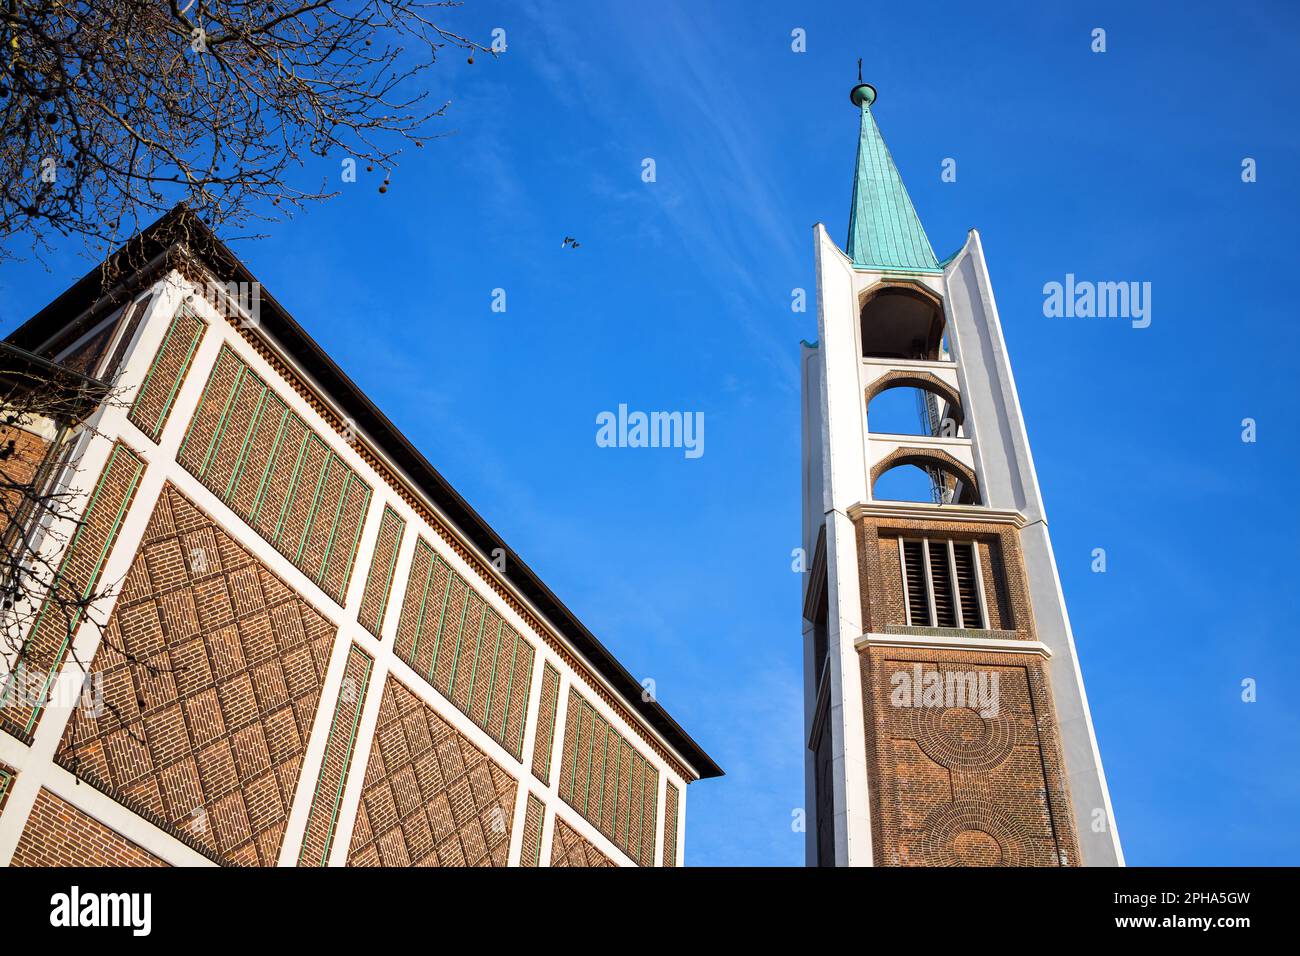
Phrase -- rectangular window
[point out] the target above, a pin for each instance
(942, 585)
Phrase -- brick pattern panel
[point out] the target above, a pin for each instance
(379, 582)
(58, 834)
(545, 742)
(80, 570)
(261, 459)
(957, 787)
(954, 786)
(570, 848)
(463, 648)
(431, 798)
(323, 817)
(212, 670)
(23, 453)
(153, 403)
(606, 779)
(530, 853)
(672, 798)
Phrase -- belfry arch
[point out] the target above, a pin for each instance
(955, 474)
(921, 380)
(901, 320)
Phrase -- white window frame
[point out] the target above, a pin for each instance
(976, 570)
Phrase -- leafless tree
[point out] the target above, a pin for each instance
(43, 424)
(111, 111)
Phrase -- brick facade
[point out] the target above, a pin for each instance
(571, 848)
(80, 569)
(212, 670)
(607, 780)
(950, 785)
(464, 649)
(58, 834)
(431, 797)
(322, 821)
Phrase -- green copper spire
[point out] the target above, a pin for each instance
(884, 232)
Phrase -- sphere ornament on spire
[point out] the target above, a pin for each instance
(864, 94)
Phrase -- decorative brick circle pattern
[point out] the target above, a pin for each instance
(972, 833)
(960, 739)
(571, 848)
(212, 670)
(431, 798)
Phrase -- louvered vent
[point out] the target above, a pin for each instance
(967, 587)
(945, 608)
(918, 597)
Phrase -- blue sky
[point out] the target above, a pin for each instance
(1117, 166)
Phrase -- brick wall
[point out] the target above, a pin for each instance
(58, 834)
(322, 819)
(262, 460)
(79, 571)
(212, 669)
(607, 780)
(530, 851)
(157, 394)
(955, 783)
(570, 848)
(463, 648)
(379, 581)
(430, 798)
(545, 739)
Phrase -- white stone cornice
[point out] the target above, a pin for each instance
(955, 642)
(926, 511)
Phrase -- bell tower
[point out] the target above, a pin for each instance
(945, 713)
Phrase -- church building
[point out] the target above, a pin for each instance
(945, 716)
(301, 646)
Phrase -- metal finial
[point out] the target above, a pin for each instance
(859, 69)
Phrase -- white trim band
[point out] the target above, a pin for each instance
(992, 645)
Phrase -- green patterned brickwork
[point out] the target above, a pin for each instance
(154, 402)
(460, 645)
(379, 582)
(322, 820)
(79, 572)
(259, 457)
(606, 779)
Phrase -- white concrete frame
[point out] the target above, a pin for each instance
(35, 764)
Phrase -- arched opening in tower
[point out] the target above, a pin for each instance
(901, 322)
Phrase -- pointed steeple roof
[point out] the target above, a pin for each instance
(884, 231)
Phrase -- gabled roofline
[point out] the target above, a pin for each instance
(84, 301)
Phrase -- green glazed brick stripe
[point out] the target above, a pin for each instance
(477, 654)
(605, 778)
(534, 818)
(379, 582)
(79, 571)
(6, 781)
(153, 403)
(233, 388)
(322, 818)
